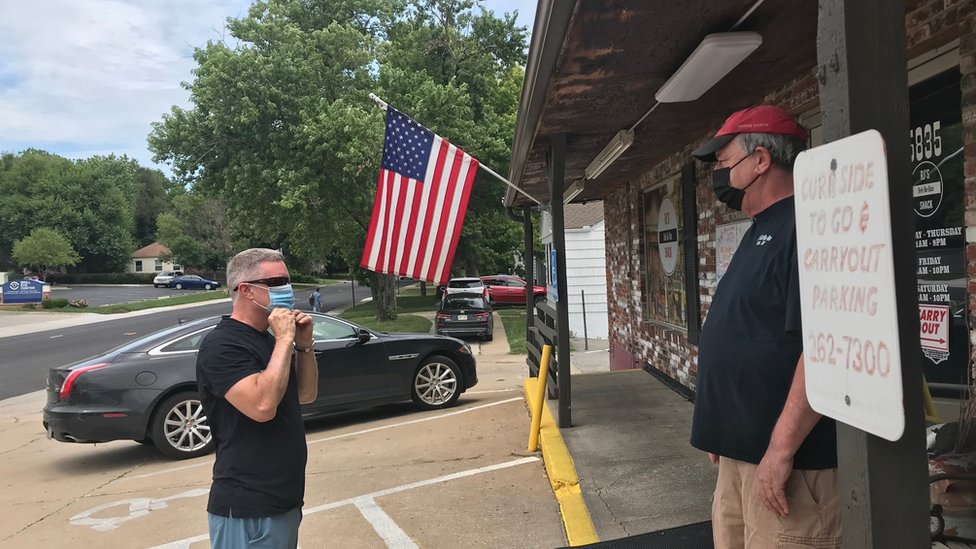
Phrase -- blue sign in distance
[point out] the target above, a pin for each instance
(23, 291)
(553, 279)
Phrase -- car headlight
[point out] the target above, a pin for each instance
(465, 348)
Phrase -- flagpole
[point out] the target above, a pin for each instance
(383, 105)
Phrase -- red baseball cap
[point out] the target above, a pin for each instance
(761, 119)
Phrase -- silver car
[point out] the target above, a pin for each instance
(164, 278)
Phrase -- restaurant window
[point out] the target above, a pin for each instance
(663, 259)
(138, 265)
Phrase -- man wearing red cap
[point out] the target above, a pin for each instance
(777, 458)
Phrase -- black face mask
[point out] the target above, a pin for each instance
(724, 191)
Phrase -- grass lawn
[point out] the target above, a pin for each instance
(138, 306)
(409, 301)
(514, 321)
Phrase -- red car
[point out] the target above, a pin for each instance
(510, 289)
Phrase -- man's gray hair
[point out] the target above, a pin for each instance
(244, 266)
(782, 148)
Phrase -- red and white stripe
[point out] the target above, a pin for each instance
(416, 225)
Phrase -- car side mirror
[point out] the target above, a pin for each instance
(364, 335)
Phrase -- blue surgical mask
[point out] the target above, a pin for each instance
(280, 297)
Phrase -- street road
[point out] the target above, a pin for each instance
(25, 359)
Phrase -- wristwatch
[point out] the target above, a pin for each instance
(302, 349)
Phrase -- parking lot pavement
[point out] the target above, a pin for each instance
(98, 295)
(390, 477)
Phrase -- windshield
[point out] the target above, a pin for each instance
(464, 284)
(473, 302)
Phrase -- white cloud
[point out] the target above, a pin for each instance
(84, 76)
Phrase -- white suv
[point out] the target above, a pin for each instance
(163, 278)
(466, 285)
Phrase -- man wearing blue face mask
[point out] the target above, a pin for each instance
(251, 383)
(777, 458)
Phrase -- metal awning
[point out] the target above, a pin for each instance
(594, 67)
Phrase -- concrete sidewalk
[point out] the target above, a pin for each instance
(629, 439)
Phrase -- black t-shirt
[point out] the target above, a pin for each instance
(749, 347)
(260, 467)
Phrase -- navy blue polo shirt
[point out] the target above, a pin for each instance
(749, 346)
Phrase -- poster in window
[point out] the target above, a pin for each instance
(664, 247)
(936, 152)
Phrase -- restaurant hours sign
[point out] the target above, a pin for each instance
(847, 284)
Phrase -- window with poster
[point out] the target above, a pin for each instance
(936, 152)
(663, 258)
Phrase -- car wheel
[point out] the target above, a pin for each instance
(207, 287)
(179, 427)
(436, 383)
(155, 285)
(178, 286)
(490, 335)
(540, 299)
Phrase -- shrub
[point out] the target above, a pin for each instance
(55, 303)
(302, 278)
(102, 278)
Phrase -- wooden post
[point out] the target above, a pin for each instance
(529, 261)
(557, 186)
(864, 85)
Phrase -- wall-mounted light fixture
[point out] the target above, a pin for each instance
(616, 147)
(573, 190)
(715, 57)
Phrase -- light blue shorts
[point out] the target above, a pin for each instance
(277, 532)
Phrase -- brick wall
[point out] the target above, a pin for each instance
(932, 23)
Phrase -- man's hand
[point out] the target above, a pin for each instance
(303, 328)
(771, 475)
(282, 322)
(713, 458)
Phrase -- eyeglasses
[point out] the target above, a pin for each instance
(273, 281)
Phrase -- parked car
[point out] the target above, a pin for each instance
(510, 289)
(464, 285)
(146, 390)
(164, 277)
(193, 282)
(465, 315)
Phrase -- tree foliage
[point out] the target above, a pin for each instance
(44, 250)
(282, 131)
(88, 201)
(198, 232)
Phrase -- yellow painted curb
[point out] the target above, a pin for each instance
(562, 476)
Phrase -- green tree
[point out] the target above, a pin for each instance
(282, 131)
(44, 250)
(198, 232)
(89, 201)
(152, 197)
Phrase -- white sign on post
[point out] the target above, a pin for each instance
(847, 284)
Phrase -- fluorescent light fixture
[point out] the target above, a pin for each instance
(573, 190)
(715, 57)
(616, 147)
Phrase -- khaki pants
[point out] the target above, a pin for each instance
(740, 521)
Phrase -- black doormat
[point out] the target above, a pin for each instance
(690, 536)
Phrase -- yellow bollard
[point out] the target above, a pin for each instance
(540, 398)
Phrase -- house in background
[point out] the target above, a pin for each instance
(148, 259)
(586, 267)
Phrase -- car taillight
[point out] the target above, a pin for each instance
(69, 382)
(481, 316)
(443, 316)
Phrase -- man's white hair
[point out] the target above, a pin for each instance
(244, 266)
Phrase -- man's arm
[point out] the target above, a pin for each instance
(257, 396)
(308, 368)
(308, 378)
(794, 424)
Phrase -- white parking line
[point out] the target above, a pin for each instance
(345, 435)
(387, 529)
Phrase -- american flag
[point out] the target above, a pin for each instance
(421, 198)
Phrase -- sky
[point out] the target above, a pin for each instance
(89, 77)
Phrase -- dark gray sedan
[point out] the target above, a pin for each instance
(146, 390)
